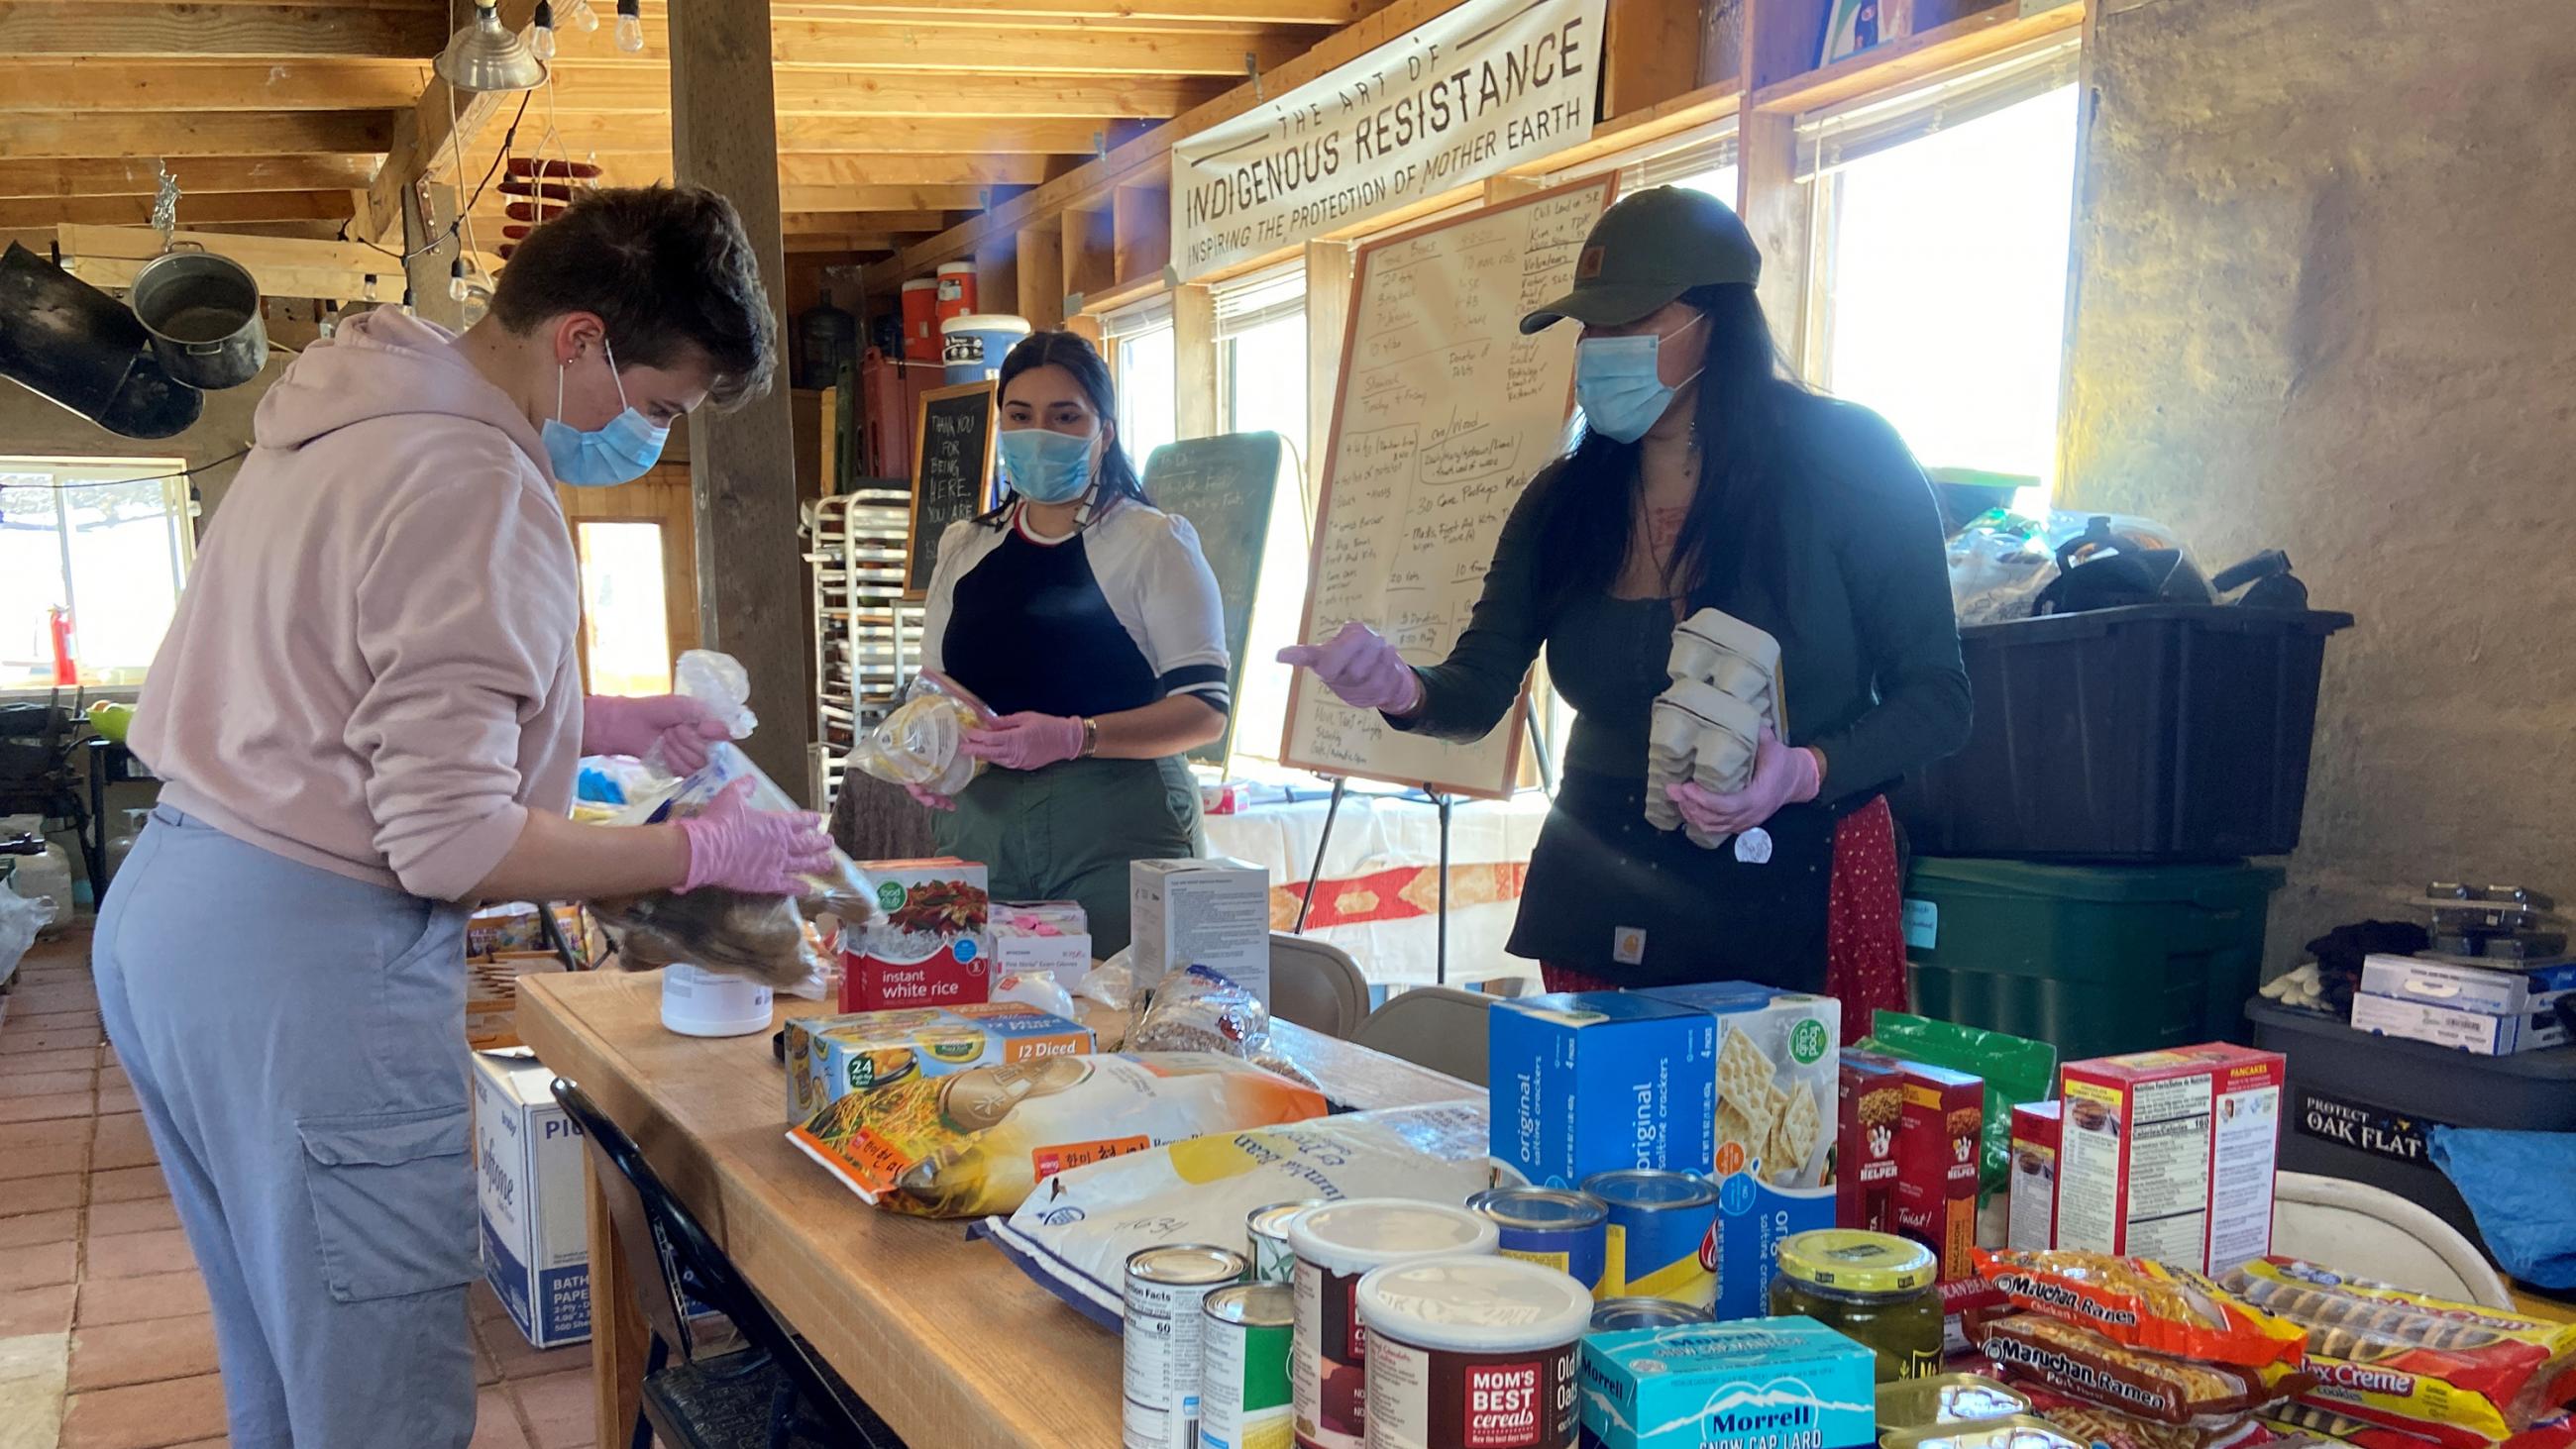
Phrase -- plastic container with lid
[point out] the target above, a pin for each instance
(696, 1002)
(1924, 1403)
(1473, 1349)
(1873, 1288)
(2017, 1431)
(1335, 1246)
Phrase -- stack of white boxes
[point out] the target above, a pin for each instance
(2491, 1009)
(1705, 727)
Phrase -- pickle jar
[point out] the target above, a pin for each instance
(1873, 1288)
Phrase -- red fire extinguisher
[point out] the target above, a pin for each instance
(65, 671)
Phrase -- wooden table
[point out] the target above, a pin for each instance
(942, 1336)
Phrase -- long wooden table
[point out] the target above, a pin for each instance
(942, 1336)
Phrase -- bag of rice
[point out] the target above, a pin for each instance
(975, 1142)
(1074, 1233)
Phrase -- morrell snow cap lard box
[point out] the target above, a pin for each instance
(1596, 1081)
(536, 1235)
(1212, 913)
(1761, 1383)
(2168, 1155)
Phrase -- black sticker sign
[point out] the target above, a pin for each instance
(2375, 1130)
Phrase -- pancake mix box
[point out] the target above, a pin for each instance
(2168, 1155)
(829, 1057)
(927, 944)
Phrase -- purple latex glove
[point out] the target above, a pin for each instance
(612, 725)
(1361, 669)
(1025, 741)
(1781, 776)
(930, 798)
(757, 852)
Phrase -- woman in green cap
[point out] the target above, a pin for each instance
(1705, 478)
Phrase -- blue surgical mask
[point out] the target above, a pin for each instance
(1618, 385)
(623, 451)
(1045, 466)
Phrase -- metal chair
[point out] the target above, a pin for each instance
(1317, 986)
(2331, 1220)
(1440, 1027)
(775, 1394)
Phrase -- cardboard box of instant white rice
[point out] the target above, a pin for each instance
(536, 1234)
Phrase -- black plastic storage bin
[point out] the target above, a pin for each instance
(2361, 1106)
(2161, 732)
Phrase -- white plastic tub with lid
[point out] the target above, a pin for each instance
(1335, 1245)
(1473, 1351)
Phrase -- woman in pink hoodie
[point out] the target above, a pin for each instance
(367, 713)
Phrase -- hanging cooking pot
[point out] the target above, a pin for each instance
(63, 337)
(203, 313)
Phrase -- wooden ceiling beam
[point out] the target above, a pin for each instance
(1009, 46)
(883, 198)
(803, 243)
(634, 168)
(224, 85)
(922, 223)
(137, 210)
(940, 136)
(198, 175)
(29, 137)
(1230, 12)
(256, 32)
(427, 138)
(593, 89)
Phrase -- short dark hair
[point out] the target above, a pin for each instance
(669, 271)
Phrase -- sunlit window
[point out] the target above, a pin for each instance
(1261, 379)
(92, 556)
(1146, 392)
(626, 628)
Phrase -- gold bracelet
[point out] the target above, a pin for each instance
(1090, 737)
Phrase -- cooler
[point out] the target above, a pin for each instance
(2361, 1107)
(2098, 960)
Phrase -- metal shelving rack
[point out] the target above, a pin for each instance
(867, 637)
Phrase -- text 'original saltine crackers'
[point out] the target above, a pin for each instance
(1778, 1064)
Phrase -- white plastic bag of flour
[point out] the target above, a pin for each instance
(1074, 1233)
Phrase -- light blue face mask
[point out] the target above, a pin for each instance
(1045, 466)
(1618, 386)
(621, 452)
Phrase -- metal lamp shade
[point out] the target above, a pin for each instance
(484, 55)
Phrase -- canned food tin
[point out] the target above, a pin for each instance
(1617, 1315)
(1166, 1288)
(1265, 1232)
(1243, 1379)
(1567, 1231)
(1663, 1235)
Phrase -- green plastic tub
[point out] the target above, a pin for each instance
(2098, 959)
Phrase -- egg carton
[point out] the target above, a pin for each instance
(1707, 725)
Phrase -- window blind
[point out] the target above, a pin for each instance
(1142, 316)
(1842, 135)
(1262, 297)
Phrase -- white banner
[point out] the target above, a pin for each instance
(1486, 86)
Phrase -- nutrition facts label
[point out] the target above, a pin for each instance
(2248, 1133)
(2169, 1170)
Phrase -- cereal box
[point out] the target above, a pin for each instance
(1586, 1082)
(1778, 1074)
(927, 945)
(1936, 1163)
(1212, 913)
(1872, 1094)
(2032, 1220)
(1048, 938)
(2168, 1155)
(1762, 1383)
(830, 1056)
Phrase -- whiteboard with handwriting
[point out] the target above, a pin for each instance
(1443, 413)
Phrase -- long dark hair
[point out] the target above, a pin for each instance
(1729, 550)
(1074, 353)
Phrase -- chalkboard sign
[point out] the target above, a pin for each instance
(1442, 414)
(952, 473)
(1224, 486)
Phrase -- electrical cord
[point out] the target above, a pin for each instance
(238, 453)
(454, 227)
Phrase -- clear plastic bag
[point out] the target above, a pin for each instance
(21, 917)
(1199, 1010)
(919, 742)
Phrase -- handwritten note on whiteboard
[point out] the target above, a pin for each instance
(1443, 414)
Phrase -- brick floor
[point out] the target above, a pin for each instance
(90, 1246)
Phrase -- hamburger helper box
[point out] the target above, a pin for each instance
(1777, 1067)
(1760, 1383)
(1212, 913)
(2168, 1155)
(1871, 1094)
(1937, 1138)
(1595, 1081)
(829, 1057)
(2031, 1221)
(926, 945)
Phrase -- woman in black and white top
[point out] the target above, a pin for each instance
(1088, 622)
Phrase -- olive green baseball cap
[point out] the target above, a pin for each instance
(1646, 251)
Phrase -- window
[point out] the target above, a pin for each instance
(1141, 352)
(1261, 387)
(626, 628)
(102, 544)
(1703, 160)
(1940, 287)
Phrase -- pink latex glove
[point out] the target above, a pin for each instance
(1361, 669)
(757, 852)
(1025, 741)
(612, 725)
(1781, 776)
(930, 798)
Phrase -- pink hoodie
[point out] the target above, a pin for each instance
(373, 670)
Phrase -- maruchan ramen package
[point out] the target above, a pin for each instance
(2090, 1423)
(2142, 1304)
(829, 1057)
(2082, 1364)
(1074, 1234)
(2454, 1372)
(978, 1141)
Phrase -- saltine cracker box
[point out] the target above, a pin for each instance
(536, 1232)
(2168, 1155)
(1597, 1081)
(1212, 913)
(1778, 1071)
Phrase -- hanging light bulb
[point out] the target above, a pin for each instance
(630, 26)
(542, 38)
(458, 289)
(582, 18)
